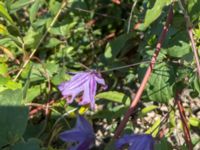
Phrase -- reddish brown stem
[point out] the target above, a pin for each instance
(147, 75)
(196, 55)
(162, 133)
(184, 121)
(42, 107)
(190, 33)
(116, 2)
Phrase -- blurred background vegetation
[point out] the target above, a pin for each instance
(42, 41)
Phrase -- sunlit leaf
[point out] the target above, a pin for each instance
(114, 96)
(194, 121)
(34, 9)
(4, 13)
(147, 109)
(153, 13)
(154, 129)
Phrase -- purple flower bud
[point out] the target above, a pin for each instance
(136, 142)
(82, 134)
(84, 83)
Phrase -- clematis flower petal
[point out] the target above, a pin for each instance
(101, 81)
(84, 125)
(84, 83)
(136, 142)
(89, 93)
(82, 134)
(71, 136)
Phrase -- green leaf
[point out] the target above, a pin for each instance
(179, 50)
(114, 96)
(63, 30)
(172, 119)
(13, 85)
(34, 9)
(196, 83)
(38, 73)
(114, 47)
(4, 13)
(32, 37)
(51, 68)
(194, 121)
(161, 83)
(32, 144)
(54, 6)
(3, 80)
(32, 93)
(27, 84)
(3, 30)
(111, 113)
(3, 69)
(13, 118)
(7, 83)
(154, 129)
(163, 144)
(153, 13)
(52, 43)
(177, 45)
(147, 109)
(18, 5)
(194, 9)
(60, 77)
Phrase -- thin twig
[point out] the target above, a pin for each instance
(43, 37)
(35, 104)
(184, 121)
(126, 66)
(147, 75)
(99, 14)
(45, 107)
(142, 62)
(131, 14)
(190, 33)
(84, 66)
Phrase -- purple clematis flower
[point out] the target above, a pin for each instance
(136, 142)
(83, 134)
(84, 83)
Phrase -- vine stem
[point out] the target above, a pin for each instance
(39, 107)
(126, 66)
(189, 26)
(184, 121)
(147, 75)
(43, 37)
(131, 15)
